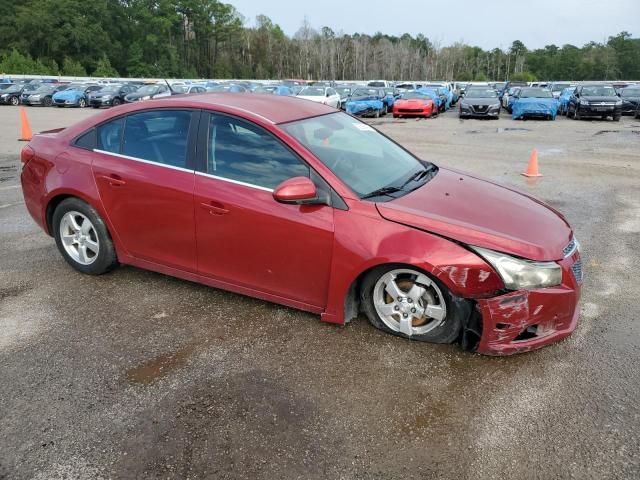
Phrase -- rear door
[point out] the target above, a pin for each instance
(143, 167)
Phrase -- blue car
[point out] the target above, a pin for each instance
(367, 101)
(534, 103)
(563, 100)
(442, 89)
(74, 95)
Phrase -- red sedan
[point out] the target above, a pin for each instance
(295, 203)
(414, 104)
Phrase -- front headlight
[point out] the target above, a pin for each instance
(519, 274)
(495, 106)
(619, 102)
(146, 97)
(107, 97)
(464, 105)
(584, 102)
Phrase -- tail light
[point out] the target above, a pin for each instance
(27, 154)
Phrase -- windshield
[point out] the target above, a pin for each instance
(603, 91)
(312, 92)
(76, 86)
(343, 91)
(43, 89)
(418, 95)
(148, 89)
(363, 92)
(558, 87)
(535, 93)
(13, 88)
(481, 93)
(365, 160)
(500, 85)
(110, 89)
(630, 92)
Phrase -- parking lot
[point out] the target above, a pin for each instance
(138, 375)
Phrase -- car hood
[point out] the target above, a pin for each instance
(482, 101)
(533, 100)
(137, 96)
(479, 212)
(413, 101)
(601, 99)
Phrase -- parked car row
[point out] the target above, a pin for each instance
(82, 95)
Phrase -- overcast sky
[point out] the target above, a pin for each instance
(485, 23)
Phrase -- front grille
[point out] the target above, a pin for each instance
(481, 108)
(410, 110)
(576, 268)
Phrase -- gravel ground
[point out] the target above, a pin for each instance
(138, 375)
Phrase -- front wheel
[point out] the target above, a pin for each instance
(82, 237)
(82, 103)
(15, 101)
(409, 303)
(47, 101)
(116, 102)
(616, 118)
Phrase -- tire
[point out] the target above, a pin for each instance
(95, 106)
(375, 297)
(616, 118)
(116, 102)
(80, 242)
(15, 101)
(576, 113)
(377, 114)
(82, 103)
(47, 101)
(396, 116)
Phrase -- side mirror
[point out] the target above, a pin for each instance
(296, 190)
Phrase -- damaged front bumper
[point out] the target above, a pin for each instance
(526, 320)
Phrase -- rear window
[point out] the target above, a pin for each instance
(109, 136)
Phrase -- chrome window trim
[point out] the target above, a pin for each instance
(236, 182)
(142, 160)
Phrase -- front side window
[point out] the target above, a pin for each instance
(241, 151)
(158, 136)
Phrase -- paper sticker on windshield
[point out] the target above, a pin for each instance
(363, 127)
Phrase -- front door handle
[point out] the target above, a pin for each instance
(114, 180)
(215, 208)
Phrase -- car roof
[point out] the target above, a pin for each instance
(266, 108)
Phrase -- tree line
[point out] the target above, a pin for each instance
(210, 39)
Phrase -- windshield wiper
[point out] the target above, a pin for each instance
(382, 191)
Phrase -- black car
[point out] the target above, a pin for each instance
(480, 102)
(595, 101)
(110, 95)
(12, 94)
(630, 99)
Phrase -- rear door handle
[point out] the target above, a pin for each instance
(114, 180)
(215, 208)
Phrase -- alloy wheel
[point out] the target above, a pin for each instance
(79, 238)
(409, 302)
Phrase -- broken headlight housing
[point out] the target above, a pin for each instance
(520, 274)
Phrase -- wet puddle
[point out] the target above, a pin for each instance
(160, 366)
(512, 129)
(619, 132)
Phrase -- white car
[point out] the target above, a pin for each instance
(326, 95)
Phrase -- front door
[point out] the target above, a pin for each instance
(243, 235)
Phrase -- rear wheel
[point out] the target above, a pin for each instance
(47, 101)
(82, 237)
(409, 303)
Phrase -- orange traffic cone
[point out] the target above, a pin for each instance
(25, 128)
(532, 168)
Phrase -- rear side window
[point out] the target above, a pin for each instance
(109, 136)
(244, 152)
(87, 140)
(159, 136)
